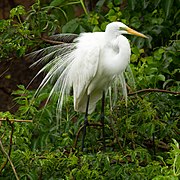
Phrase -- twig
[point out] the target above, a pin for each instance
(77, 136)
(3, 150)
(17, 120)
(153, 90)
(4, 72)
(10, 147)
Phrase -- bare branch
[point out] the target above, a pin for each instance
(153, 90)
(4, 72)
(17, 120)
(10, 146)
(77, 136)
(3, 150)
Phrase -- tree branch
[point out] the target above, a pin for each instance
(10, 146)
(153, 90)
(3, 150)
(4, 72)
(17, 120)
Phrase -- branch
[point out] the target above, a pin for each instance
(17, 120)
(4, 72)
(77, 136)
(153, 90)
(10, 147)
(3, 150)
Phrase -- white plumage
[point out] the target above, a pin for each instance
(97, 62)
(89, 65)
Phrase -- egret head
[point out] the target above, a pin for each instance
(118, 28)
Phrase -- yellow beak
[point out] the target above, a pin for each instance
(131, 31)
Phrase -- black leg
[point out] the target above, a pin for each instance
(85, 122)
(102, 120)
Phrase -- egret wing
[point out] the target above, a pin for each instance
(69, 65)
(56, 62)
(67, 38)
(84, 68)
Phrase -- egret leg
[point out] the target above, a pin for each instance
(85, 122)
(102, 120)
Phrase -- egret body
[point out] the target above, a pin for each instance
(89, 66)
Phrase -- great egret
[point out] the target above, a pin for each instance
(89, 65)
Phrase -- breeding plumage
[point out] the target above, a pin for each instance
(89, 65)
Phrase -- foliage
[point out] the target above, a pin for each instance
(134, 164)
(17, 36)
(160, 70)
(142, 138)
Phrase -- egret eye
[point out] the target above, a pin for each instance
(122, 28)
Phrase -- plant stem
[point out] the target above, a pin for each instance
(83, 6)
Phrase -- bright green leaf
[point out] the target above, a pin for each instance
(161, 77)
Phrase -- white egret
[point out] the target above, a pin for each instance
(89, 65)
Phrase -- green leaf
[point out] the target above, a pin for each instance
(152, 70)
(166, 82)
(132, 4)
(71, 26)
(168, 6)
(149, 59)
(161, 177)
(161, 77)
(19, 10)
(145, 4)
(57, 2)
(96, 29)
(158, 54)
(134, 58)
(176, 144)
(99, 4)
(135, 22)
(157, 3)
(135, 50)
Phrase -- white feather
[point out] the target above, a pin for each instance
(89, 65)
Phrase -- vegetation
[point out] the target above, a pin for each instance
(142, 138)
